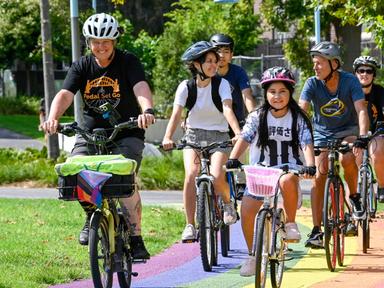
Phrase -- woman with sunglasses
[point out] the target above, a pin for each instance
(365, 70)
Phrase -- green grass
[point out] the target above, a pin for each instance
(39, 244)
(26, 124)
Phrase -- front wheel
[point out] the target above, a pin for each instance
(330, 223)
(125, 276)
(206, 230)
(341, 220)
(99, 252)
(261, 247)
(279, 248)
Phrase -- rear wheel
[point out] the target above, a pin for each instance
(224, 233)
(125, 276)
(330, 224)
(279, 249)
(99, 252)
(207, 233)
(224, 240)
(340, 229)
(261, 247)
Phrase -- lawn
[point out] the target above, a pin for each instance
(39, 244)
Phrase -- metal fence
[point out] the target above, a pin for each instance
(255, 66)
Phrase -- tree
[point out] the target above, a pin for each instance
(20, 32)
(192, 21)
(344, 16)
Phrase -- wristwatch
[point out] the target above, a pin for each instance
(149, 111)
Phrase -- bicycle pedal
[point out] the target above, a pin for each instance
(287, 259)
(189, 241)
(139, 261)
(292, 241)
(135, 274)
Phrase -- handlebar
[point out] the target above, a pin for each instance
(334, 145)
(202, 147)
(98, 135)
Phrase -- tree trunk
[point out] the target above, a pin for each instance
(349, 38)
(49, 79)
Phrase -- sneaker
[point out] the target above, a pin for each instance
(84, 233)
(380, 195)
(138, 248)
(189, 234)
(292, 232)
(248, 268)
(315, 239)
(230, 215)
(351, 230)
(357, 210)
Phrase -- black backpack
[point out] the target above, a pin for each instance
(192, 93)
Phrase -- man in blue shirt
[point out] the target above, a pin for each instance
(339, 112)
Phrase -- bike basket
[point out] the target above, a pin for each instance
(261, 181)
(118, 186)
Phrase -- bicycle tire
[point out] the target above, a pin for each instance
(206, 232)
(125, 276)
(279, 248)
(261, 247)
(99, 252)
(224, 239)
(340, 240)
(363, 190)
(330, 224)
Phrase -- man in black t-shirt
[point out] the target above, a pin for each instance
(365, 70)
(115, 78)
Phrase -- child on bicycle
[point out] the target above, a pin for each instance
(204, 122)
(278, 132)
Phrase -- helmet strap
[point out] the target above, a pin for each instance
(201, 73)
(330, 73)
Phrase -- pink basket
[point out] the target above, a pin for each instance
(262, 181)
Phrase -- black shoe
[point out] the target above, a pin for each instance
(351, 230)
(357, 210)
(138, 248)
(315, 239)
(84, 233)
(380, 195)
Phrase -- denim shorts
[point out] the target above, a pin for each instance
(197, 136)
(321, 138)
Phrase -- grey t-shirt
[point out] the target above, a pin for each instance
(333, 113)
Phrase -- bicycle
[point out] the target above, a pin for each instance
(236, 194)
(210, 208)
(366, 180)
(109, 235)
(269, 243)
(335, 219)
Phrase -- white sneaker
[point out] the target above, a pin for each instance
(292, 232)
(230, 215)
(248, 268)
(189, 233)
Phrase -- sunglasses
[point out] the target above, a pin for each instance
(362, 71)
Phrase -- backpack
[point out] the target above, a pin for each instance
(192, 93)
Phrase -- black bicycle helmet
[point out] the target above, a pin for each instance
(196, 50)
(365, 61)
(218, 40)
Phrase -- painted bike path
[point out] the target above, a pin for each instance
(180, 265)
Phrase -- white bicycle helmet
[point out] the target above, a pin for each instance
(101, 26)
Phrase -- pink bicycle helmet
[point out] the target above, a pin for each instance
(277, 73)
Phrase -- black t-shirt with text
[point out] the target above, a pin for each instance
(113, 84)
(375, 105)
